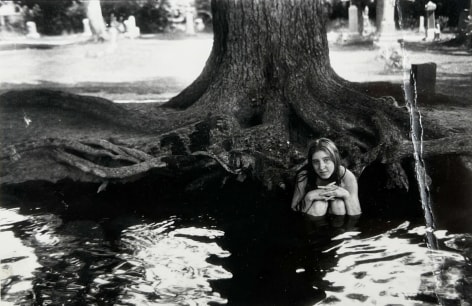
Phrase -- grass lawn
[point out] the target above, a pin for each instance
(150, 69)
(141, 69)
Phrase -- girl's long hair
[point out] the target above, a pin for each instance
(326, 145)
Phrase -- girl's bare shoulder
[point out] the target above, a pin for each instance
(348, 177)
(302, 175)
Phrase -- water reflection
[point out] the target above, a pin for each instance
(395, 268)
(244, 259)
(173, 262)
(64, 255)
(18, 262)
(49, 261)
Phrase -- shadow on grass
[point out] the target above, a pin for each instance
(448, 47)
(382, 89)
(153, 86)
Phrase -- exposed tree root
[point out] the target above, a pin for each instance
(108, 172)
(90, 147)
(219, 144)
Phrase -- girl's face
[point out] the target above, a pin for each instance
(323, 164)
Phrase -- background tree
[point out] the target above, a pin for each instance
(95, 17)
(59, 17)
(53, 17)
(267, 89)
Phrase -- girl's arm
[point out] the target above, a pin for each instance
(351, 200)
(299, 192)
(348, 193)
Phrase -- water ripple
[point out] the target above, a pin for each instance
(18, 261)
(394, 271)
(170, 264)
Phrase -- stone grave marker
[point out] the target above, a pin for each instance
(424, 77)
(132, 31)
(353, 19)
(31, 31)
(86, 24)
(189, 22)
(430, 7)
(421, 28)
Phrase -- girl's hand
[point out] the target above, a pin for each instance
(330, 186)
(316, 195)
(333, 191)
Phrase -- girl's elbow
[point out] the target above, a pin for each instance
(353, 207)
(355, 213)
(354, 210)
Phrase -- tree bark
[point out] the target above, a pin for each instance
(266, 91)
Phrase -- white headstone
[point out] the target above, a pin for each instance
(132, 31)
(189, 24)
(31, 31)
(199, 25)
(353, 21)
(132, 21)
(421, 28)
(86, 24)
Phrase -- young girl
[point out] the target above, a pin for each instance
(324, 183)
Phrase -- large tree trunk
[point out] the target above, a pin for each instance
(266, 91)
(94, 15)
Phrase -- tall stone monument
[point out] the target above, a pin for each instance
(352, 35)
(430, 7)
(386, 11)
(189, 20)
(353, 19)
(388, 42)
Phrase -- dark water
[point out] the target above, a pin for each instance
(234, 256)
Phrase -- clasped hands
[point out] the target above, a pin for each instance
(331, 191)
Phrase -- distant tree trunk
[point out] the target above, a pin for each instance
(266, 91)
(97, 24)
